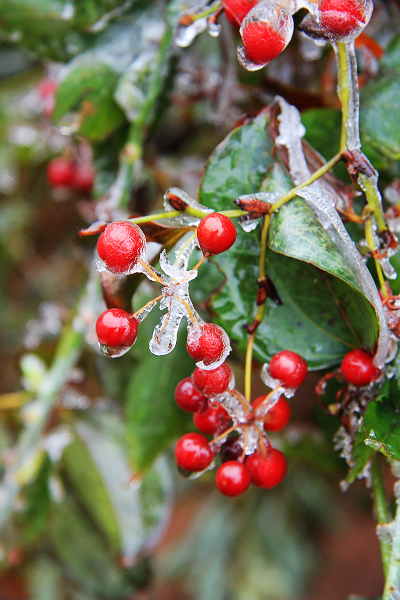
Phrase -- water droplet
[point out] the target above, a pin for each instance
(113, 352)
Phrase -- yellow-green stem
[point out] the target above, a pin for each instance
(316, 175)
(381, 508)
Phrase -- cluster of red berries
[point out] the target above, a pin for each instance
(122, 247)
(202, 395)
(266, 26)
(63, 172)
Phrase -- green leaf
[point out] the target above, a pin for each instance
(154, 419)
(83, 553)
(98, 463)
(88, 90)
(379, 124)
(382, 423)
(361, 456)
(323, 313)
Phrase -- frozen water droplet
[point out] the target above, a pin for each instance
(186, 34)
(248, 224)
(213, 28)
(385, 532)
(250, 436)
(266, 406)
(247, 64)
(387, 268)
(273, 383)
(177, 199)
(232, 401)
(113, 352)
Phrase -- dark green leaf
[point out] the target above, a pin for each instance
(88, 90)
(154, 419)
(318, 304)
(382, 423)
(361, 456)
(379, 124)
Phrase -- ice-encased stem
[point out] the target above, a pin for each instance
(392, 585)
(381, 507)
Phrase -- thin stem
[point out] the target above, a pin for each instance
(151, 271)
(222, 435)
(316, 175)
(207, 255)
(155, 217)
(147, 304)
(381, 508)
(248, 365)
(369, 236)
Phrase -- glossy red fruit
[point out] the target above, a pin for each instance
(116, 328)
(120, 246)
(290, 368)
(278, 416)
(192, 452)
(262, 43)
(60, 172)
(213, 381)
(208, 346)
(236, 10)
(358, 367)
(188, 398)
(343, 17)
(216, 233)
(267, 471)
(83, 178)
(211, 420)
(233, 478)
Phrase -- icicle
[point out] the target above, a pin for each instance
(321, 200)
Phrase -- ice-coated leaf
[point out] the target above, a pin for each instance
(361, 456)
(98, 463)
(319, 293)
(88, 90)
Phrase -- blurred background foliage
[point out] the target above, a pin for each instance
(146, 114)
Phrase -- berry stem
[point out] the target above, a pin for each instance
(223, 434)
(151, 271)
(393, 569)
(348, 93)
(267, 397)
(370, 241)
(155, 217)
(146, 305)
(207, 254)
(316, 175)
(381, 508)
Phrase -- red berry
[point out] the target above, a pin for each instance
(267, 471)
(207, 346)
(120, 246)
(193, 453)
(236, 10)
(289, 368)
(213, 381)
(83, 178)
(188, 398)
(60, 172)
(214, 419)
(216, 233)
(116, 328)
(277, 416)
(47, 89)
(262, 43)
(341, 18)
(233, 478)
(358, 367)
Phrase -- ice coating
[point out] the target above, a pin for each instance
(275, 384)
(249, 438)
(321, 200)
(175, 298)
(276, 18)
(262, 410)
(194, 333)
(233, 402)
(112, 352)
(184, 198)
(143, 312)
(197, 22)
(352, 122)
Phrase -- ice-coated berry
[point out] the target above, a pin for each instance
(277, 417)
(60, 172)
(262, 43)
(207, 346)
(213, 419)
(216, 233)
(341, 18)
(236, 10)
(233, 478)
(267, 471)
(120, 246)
(193, 453)
(188, 398)
(213, 381)
(290, 368)
(116, 328)
(358, 367)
